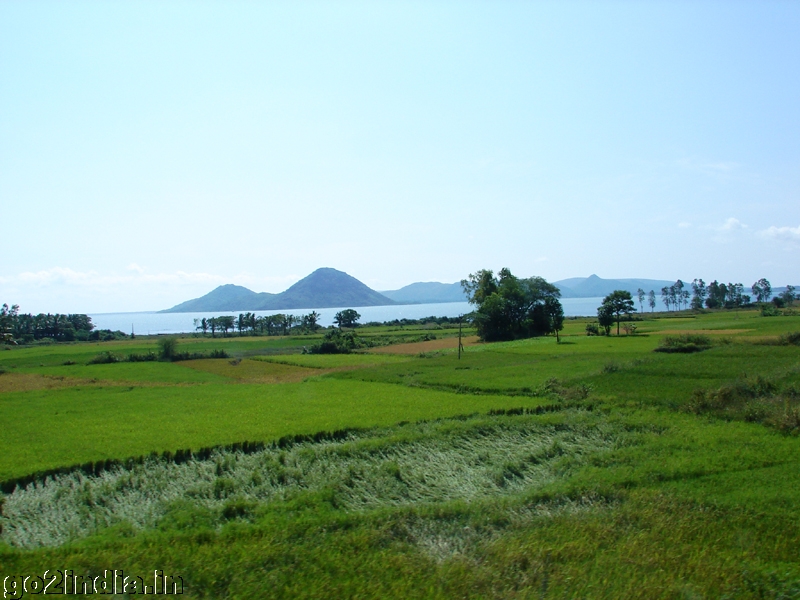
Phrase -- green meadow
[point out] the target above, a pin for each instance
(597, 467)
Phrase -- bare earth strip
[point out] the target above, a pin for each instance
(28, 382)
(450, 343)
(25, 382)
(253, 371)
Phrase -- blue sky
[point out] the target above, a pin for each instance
(151, 151)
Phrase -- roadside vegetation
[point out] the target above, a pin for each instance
(662, 462)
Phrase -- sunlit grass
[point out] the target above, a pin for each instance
(682, 502)
(48, 429)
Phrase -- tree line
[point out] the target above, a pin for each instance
(279, 324)
(28, 327)
(714, 295)
(251, 324)
(676, 297)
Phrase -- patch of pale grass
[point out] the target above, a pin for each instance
(443, 539)
(407, 465)
(28, 382)
(252, 371)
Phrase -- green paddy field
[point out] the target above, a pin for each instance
(591, 468)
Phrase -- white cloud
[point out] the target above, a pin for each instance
(136, 274)
(684, 224)
(784, 234)
(62, 289)
(67, 276)
(732, 224)
(709, 168)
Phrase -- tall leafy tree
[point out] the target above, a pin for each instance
(555, 315)
(310, 321)
(619, 302)
(677, 293)
(346, 318)
(8, 316)
(762, 290)
(788, 296)
(666, 298)
(510, 308)
(735, 295)
(640, 295)
(699, 293)
(605, 317)
(651, 300)
(225, 323)
(716, 295)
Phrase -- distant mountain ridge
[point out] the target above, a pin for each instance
(430, 292)
(595, 287)
(575, 287)
(324, 288)
(329, 288)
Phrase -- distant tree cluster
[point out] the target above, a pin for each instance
(251, 324)
(19, 327)
(509, 308)
(346, 318)
(714, 295)
(410, 322)
(337, 341)
(786, 297)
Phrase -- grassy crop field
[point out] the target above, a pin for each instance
(598, 467)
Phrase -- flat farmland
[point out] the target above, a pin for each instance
(594, 467)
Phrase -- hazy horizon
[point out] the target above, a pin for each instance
(151, 152)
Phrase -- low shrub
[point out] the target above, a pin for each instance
(108, 357)
(146, 357)
(106, 335)
(105, 358)
(338, 342)
(178, 356)
(791, 338)
(685, 343)
(167, 347)
(756, 400)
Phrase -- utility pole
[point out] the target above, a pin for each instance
(460, 345)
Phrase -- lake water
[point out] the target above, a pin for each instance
(147, 323)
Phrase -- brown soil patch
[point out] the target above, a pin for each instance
(26, 382)
(253, 371)
(703, 331)
(450, 343)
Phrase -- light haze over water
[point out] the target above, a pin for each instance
(148, 323)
